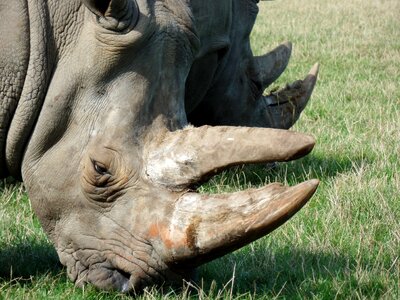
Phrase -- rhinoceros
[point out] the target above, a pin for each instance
(113, 111)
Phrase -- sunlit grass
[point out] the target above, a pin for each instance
(346, 242)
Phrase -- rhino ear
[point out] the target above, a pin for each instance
(117, 15)
(98, 7)
(107, 8)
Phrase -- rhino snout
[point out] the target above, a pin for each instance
(108, 256)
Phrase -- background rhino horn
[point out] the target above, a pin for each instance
(286, 105)
(206, 227)
(268, 67)
(188, 156)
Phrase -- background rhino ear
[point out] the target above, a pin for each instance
(107, 8)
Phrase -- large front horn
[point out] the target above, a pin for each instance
(204, 227)
(188, 156)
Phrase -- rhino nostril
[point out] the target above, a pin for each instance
(120, 281)
(109, 279)
(124, 285)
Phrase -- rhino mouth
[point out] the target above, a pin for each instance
(109, 279)
(125, 262)
(114, 273)
(118, 274)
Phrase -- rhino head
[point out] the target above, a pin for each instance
(112, 163)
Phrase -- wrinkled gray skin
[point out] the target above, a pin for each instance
(90, 89)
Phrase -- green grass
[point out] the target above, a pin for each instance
(346, 242)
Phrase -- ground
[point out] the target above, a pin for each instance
(346, 242)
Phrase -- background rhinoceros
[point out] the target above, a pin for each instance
(96, 98)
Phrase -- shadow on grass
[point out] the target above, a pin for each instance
(22, 261)
(285, 272)
(290, 273)
(322, 167)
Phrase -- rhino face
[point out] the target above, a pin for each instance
(111, 164)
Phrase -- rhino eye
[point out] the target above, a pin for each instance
(102, 170)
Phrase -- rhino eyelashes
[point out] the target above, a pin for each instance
(99, 168)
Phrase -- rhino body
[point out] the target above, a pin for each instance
(96, 98)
